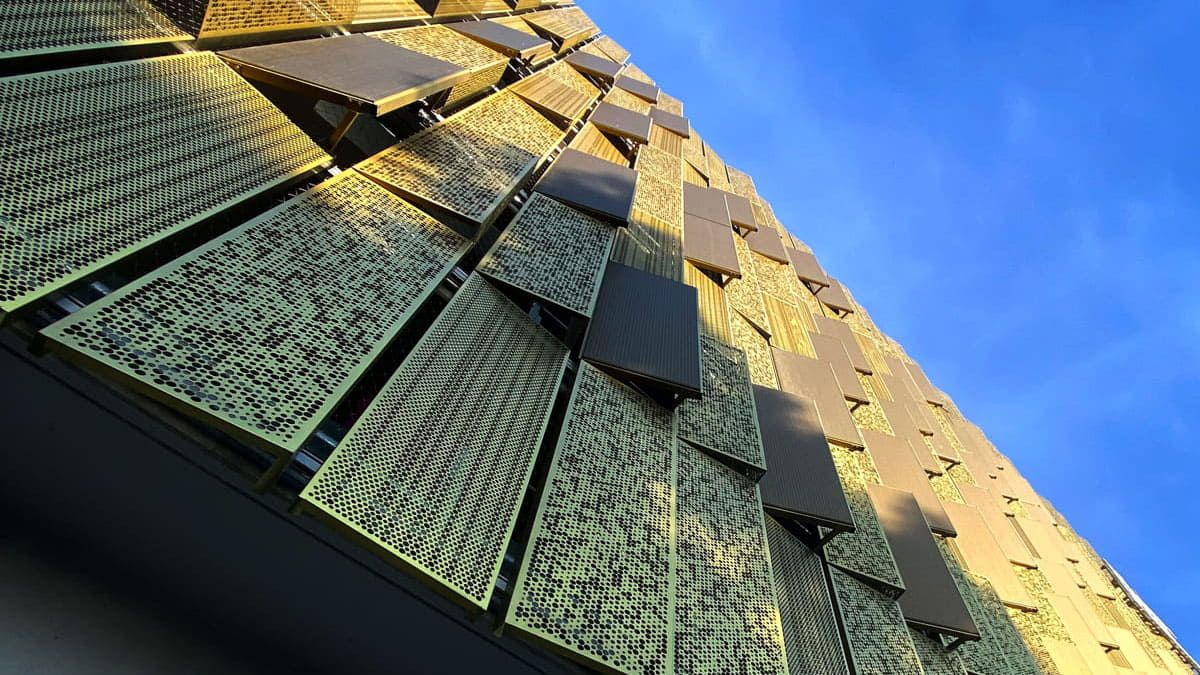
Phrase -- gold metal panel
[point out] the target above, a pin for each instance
(233, 17)
(486, 65)
(33, 27)
(714, 313)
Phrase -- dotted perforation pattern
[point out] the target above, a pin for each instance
(29, 27)
(435, 470)
(596, 580)
(726, 613)
(449, 45)
(724, 418)
(554, 251)
(875, 629)
(265, 328)
(935, 658)
(864, 551)
(810, 629)
(230, 17)
(100, 161)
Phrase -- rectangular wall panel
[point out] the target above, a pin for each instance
(35, 27)
(726, 613)
(596, 580)
(435, 470)
(875, 628)
(723, 420)
(864, 552)
(338, 270)
(100, 161)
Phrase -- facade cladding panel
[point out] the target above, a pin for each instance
(435, 280)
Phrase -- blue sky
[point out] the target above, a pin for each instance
(1010, 189)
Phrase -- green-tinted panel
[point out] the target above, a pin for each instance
(435, 470)
(472, 162)
(266, 327)
(97, 162)
(723, 420)
(29, 27)
(726, 614)
(556, 252)
(864, 551)
(935, 658)
(596, 578)
(875, 629)
(810, 629)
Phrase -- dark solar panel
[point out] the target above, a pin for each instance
(766, 241)
(621, 122)
(709, 246)
(591, 184)
(815, 379)
(832, 351)
(842, 331)
(507, 41)
(671, 122)
(807, 267)
(638, 88)
(708, 203)
(898, 467)
(834, 297)
(741, 212)
(589, 64)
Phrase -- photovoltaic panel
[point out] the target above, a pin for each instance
(906, 429)
(834, 297)
(720, 538)
(101, 161)
(594, 185)
(707, 203)
(810, 630)
(832, 351)
(766, 241)
(434, 471)
(842, 331)
(710, 246)
(723, 419)
(807, 268)
(506, 40)
(741, 214)
(864, 552)
(595, 66)
(346, 253)
(671, 122)
(621, 122)
(596, 579)
(648, 92)
(815, 380)
(899, 468)
(931, 598)
(801, 482)
(36, 27)
(484, 66)
(982, 555)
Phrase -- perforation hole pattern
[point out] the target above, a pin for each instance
(449, 45)
(228, 17)
(726, 614)
(875, 628)
(553, 251)
(42, 26)
(267, 326)
(810, 631)
(723, 419)
(435, 470)
(97, 162)
(865, 550)
(596, 579)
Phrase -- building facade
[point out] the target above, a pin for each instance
(430, 336)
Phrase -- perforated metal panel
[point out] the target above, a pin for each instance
(232, 17)
(810, 630)
(875, 629)
(660, 185)
(98, 162)
(434, 471)
(935, 658)
(758, 351)
(596, 580)
(723, 419)
(864, 551)
(726, 614)
(743, 294)
(449, 45)
(30, 27)
(613, 50)
(625, 99)
(470, 163)
(265, 328)
(553, 251)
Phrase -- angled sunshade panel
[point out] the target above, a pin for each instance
(39, 27)
(710, 246)
(646, 328)
(998, 524)
(832, 351)
(506, 40)
(741, 214)
(595, 66)
(766, 241)
(677, 124)
(558, 90)
(810, 630)
(875, 630)
(906, 430)
(357, 71)
(723, 419)
(930, 392)
(834, 297)
(643, 90)
(842, 331)
(801, 482)
(815, 379)
(721, 552)
(621, 122)
(596, 579)
(864, 552)
(219, 18)
(442, 457)
(899, 468)
(931, 599)
(101, 161)
(484, 66)
(344, 253)
(982, 555)
(594, 185)
(553, 251)
(807, 268)
(707, 203)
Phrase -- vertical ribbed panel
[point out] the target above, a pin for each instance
(810, 629)
(338, 270)
(723, 419)
(726, 614)
(597, 574)
(434, 471)
(98, 162)
(875, 628)
(714, 312)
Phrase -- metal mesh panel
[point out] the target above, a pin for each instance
(670, 103)
(864, 551)
(742, 184)
(935, 658)
(660, 198)
(338, 270)
(637, 74)
(449, 45)
(230, 17)
(758, 352)
(743, 294)
(553, 251)
(875, 629)
(723, 419)
(624, 99)
(388, 10)
(726, 614)
(98, 162)
(29, 27)
(435, 470)
(693, 152)
(597, 575)
(613, 50)
(810, 630)
(470, 163)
